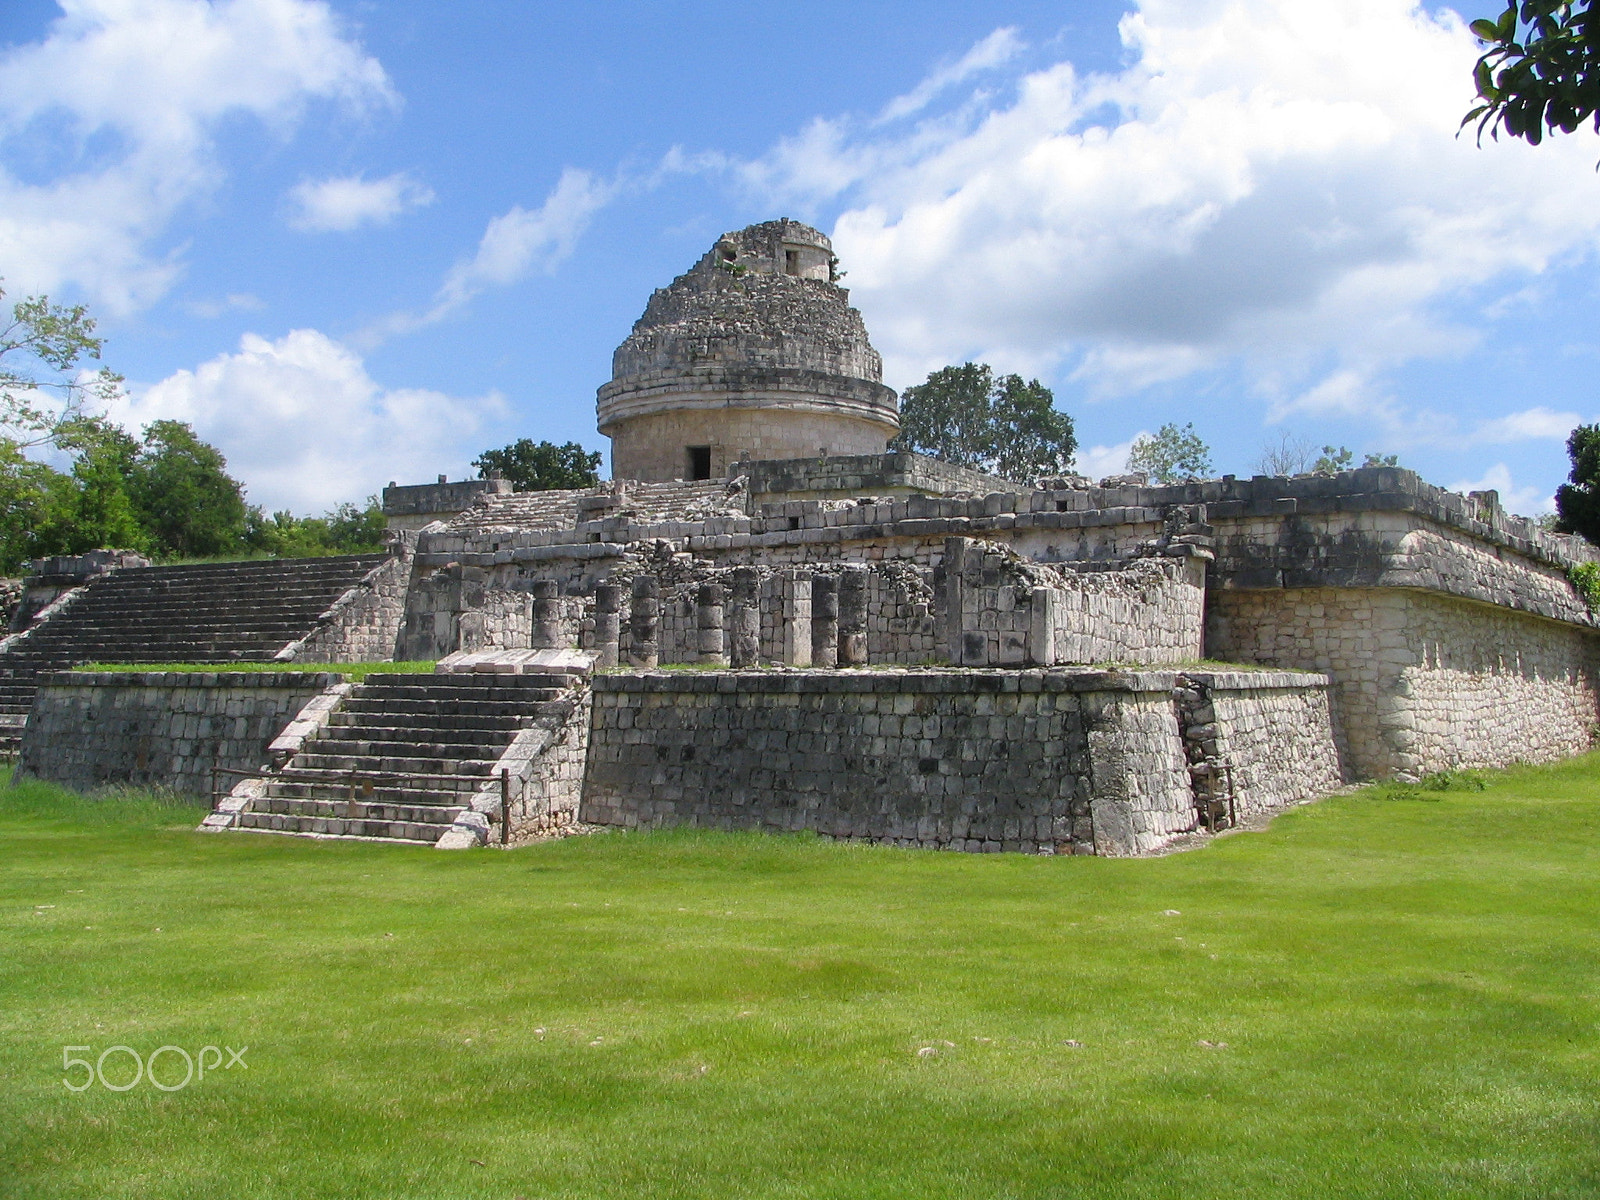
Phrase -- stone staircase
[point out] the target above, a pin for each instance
(208, 612)
(403, 756)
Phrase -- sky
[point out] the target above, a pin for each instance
(363, 241)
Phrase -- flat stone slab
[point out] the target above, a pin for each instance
(515, 662)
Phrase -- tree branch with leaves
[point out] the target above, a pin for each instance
(1540, 72)
(43, 389)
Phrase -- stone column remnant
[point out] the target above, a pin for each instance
(708, 606)
(644, 615)
(853, 617)
(745, 647)
(824, 621)
(607, 624)
(546, 615)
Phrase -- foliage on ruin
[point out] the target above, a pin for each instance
(1171, 454)
(1578, 501)
(1540, 70)
(968, 416)
(1372, 997)
(1341, 458)
(1585, 580)
(541, 466)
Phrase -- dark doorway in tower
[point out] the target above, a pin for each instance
(791, 262)
(699, 462)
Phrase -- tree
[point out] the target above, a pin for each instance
(1170, 454)
(37, 508)
(1289, 455)
(104, 516)
(183, 494)
(41, 389)
(1341, 458)
(1541, 70)
(541, 468)
(966, 416)
(1578, 502)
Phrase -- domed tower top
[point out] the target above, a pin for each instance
(754, 352)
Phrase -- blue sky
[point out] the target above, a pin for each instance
(355, 242)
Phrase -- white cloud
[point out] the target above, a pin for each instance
(1528, 501)
(209, 310)
(1267, 182)
(995, 50)
(136, 91)
(1530, 424)
(347, 202)
(514, 245)
(1099, 461)
(304, 425)
(521, 241)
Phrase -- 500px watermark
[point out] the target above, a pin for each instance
(207, 1058)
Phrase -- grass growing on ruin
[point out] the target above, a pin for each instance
(356, 671)
(1394, 993)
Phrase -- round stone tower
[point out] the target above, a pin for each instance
(754, 352)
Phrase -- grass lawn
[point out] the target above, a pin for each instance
(1384, 995)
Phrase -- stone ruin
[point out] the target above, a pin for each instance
(768, 621)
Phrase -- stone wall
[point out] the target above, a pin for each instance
(10, 602)
(411, 507)
(1040, 761)
(848, 476)
(457, 609)
(169, 729)
(1265, 737)
(1006, 611)
(363, 625)
(1424, 682)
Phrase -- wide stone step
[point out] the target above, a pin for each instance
(366, 709)
(425, 833)
(344, 764)
(410, 745)
(387, 718)
(357, 810)
(468, 681)
(412, 793)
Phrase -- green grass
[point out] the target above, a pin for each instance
(356, 671)
(1407, 983)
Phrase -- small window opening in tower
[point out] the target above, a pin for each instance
(791, 262)
(699, 462)
(727, 254)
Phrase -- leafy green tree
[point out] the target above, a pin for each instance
(1341, 458)
(345, 530)
(967, 416)
(38, 508)
(104, 516)
(183, 494)
(1578, 502)
(353, 530)
(42, 389)
(1540, 71)
(542, 466)
(1171, 454)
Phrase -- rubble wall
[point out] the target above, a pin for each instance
(1424, 682)
(168, 729)
(1035, 761)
